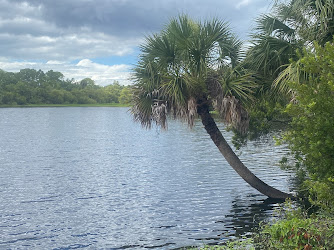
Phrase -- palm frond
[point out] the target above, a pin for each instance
(229, 89)
(292, 73)
(175, 90)
(268, 54)
(162, 50)
(142, 107)
(312, 19)
(183, 29)
(272, 26)
(239, 83)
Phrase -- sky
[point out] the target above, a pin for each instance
(100, 39)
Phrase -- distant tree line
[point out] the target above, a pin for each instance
(30, 86)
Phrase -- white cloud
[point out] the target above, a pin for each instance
(55, 62)
(104, 74)
(243, 3)
(100, 73)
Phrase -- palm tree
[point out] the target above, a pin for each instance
(290, 27)
(311, 19)
(178, 75)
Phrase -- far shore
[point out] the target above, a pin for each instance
(66, 105)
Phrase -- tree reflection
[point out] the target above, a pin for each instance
(246, 213)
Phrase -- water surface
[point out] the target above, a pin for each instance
(91, 178)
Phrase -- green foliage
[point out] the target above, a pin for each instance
(243, 243)
(238, 82)
(113, 92)
(29, 86)
(297, 231)
(267, 115)
(311, 134)
(321, 193)
(125, 96)
(87, 82)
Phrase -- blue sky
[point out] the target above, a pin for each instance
(100, 38)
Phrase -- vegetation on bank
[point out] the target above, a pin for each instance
(310, 137)
(241, 244)
(34, 87)
(297, 230)
(307, 85)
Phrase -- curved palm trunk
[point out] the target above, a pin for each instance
(233, 159)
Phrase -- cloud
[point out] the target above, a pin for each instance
(125, 18)
(103, 74)
(100, 73)
(243, 3)
(38, 31)
(66, 46)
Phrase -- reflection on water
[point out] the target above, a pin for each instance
(245, 215)
(91, 178)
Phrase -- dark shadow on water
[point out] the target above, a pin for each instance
(246, 215)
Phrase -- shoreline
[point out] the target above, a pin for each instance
(65, 105)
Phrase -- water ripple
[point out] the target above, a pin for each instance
(91, 178)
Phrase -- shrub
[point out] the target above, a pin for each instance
(297, 231)
(311, 133)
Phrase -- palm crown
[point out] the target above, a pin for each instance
(178, 69)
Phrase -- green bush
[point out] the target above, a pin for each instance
(297, 231)
(311, 133)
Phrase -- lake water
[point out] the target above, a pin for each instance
(81, 177)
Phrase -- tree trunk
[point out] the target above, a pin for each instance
(232, 158)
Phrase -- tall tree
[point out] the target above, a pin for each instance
(290, 26)
(87, 82)
(177, 75)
